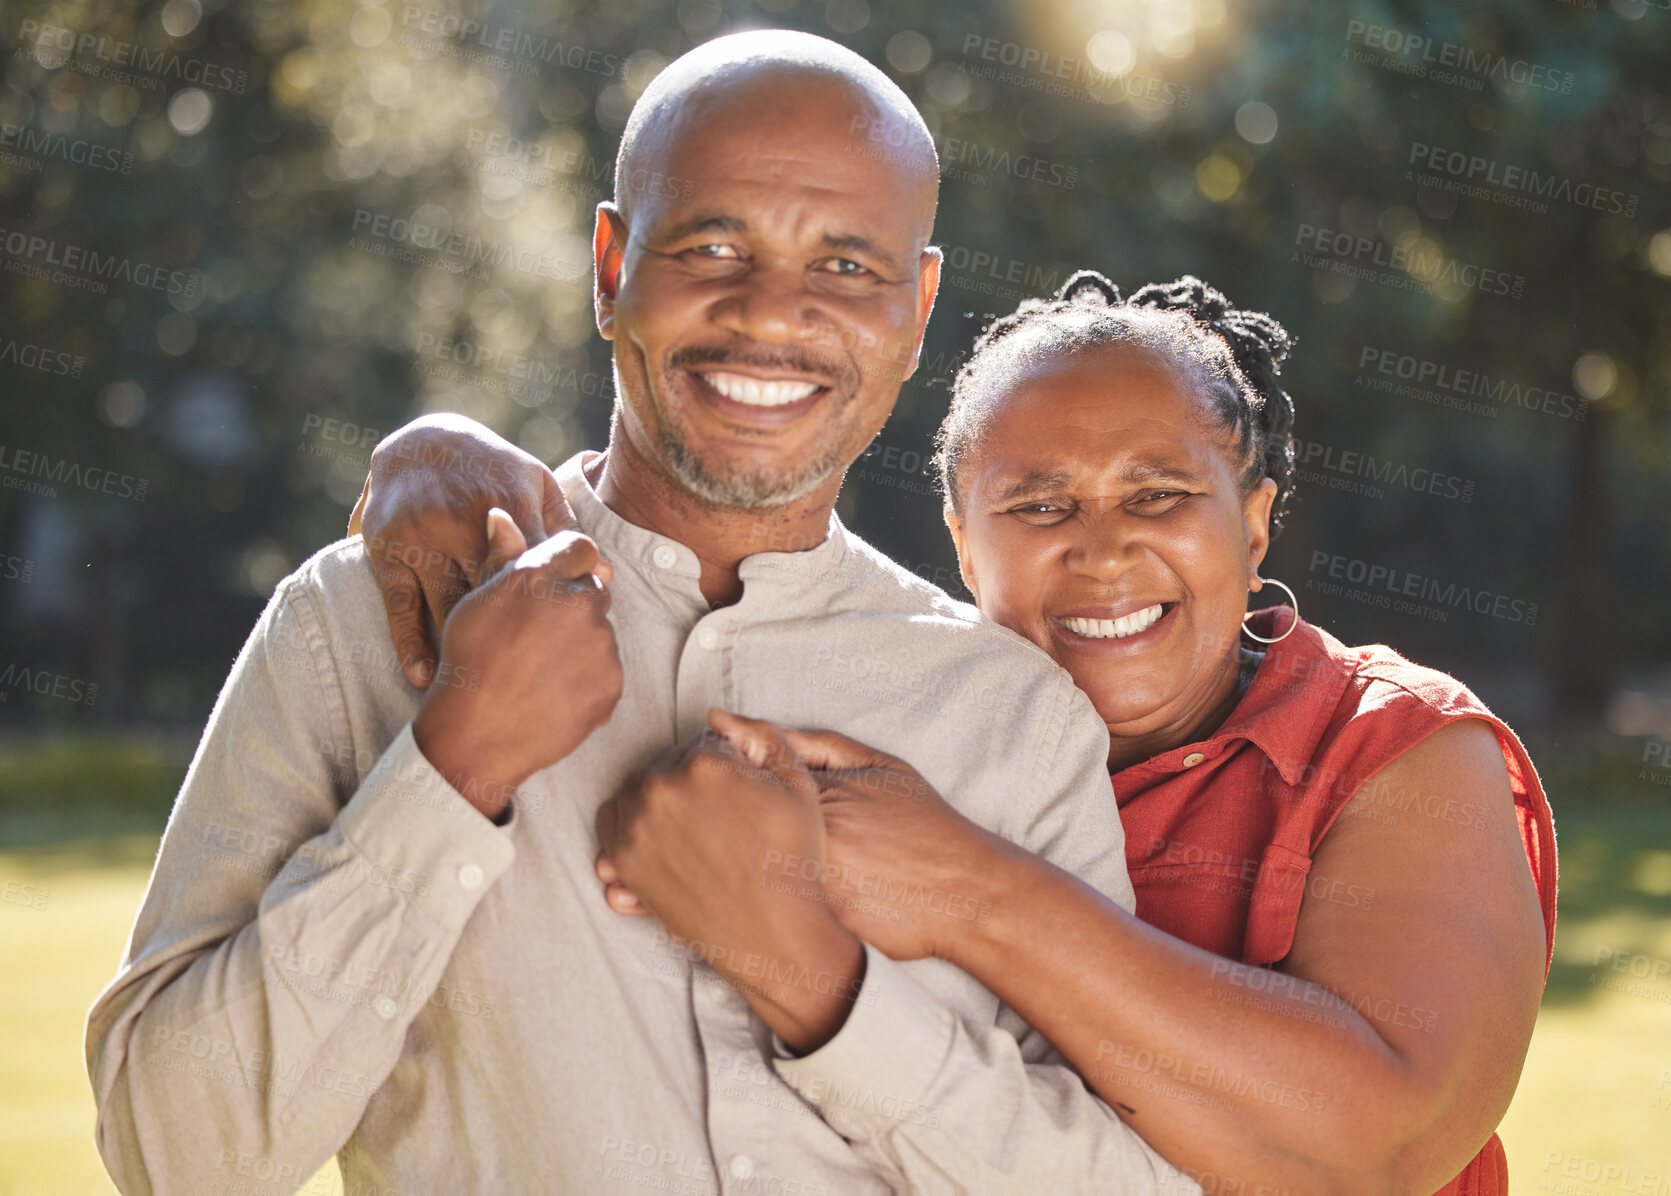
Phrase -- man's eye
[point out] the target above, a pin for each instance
(843, 265)
(719, 251)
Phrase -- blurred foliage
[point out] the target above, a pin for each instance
(70, 785)
(1206, 136)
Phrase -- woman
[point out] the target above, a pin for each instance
(1339, 947)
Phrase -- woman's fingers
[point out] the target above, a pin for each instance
(403, 603)
(830, 751)
(761, 742)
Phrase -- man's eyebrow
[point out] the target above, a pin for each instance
(853, 243)
(703, 222)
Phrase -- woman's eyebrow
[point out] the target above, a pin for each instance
(1042, 479)
(1035, 481)
(1157, 471)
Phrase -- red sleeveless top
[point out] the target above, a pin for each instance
(1220, 834)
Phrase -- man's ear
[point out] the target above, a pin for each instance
(609, 246)
(928, 286)
(964, 567)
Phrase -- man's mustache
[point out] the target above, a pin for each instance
(841, 372)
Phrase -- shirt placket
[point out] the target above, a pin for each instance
(744, 1095)
(739, 1087)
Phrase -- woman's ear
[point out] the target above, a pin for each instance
(1256, 520)
(964, 566)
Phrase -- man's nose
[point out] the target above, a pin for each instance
(772, 305)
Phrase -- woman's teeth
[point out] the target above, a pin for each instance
(757, 393)
(1115, 629)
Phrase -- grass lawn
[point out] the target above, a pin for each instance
(1592, 1117)
(57, 951)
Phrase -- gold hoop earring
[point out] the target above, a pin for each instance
(1253, 635)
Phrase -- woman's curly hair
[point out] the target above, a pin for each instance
(1232, 355)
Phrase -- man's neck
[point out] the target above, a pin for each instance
(719, 536)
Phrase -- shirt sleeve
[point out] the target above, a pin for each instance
(294, 925)
(937, 1102)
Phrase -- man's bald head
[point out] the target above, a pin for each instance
(766, 65)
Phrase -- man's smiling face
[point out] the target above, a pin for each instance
(765, 315)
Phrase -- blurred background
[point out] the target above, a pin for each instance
(242, 240)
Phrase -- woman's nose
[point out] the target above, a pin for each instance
(1103, 545)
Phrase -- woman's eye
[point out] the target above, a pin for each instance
(1161, 500)
(717, 251)
(1038, 510)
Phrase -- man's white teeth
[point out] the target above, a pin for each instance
(1116, 629)
(757, 393)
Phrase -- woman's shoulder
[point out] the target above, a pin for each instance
(1378, 680)
(1347, 711)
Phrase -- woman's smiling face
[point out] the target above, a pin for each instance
(1104, 519)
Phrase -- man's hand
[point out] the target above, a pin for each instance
(699, 837)
(901, 868)
(423, 511)
(529, 666)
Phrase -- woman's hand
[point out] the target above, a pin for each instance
(423, 514)
(901, 867)
(905, 869)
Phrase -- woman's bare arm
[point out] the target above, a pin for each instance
(1377, 1057)
(1431, 931)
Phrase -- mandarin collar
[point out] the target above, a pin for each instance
(655, 553)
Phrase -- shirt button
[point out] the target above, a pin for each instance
(708, 638)
(741, 1168)
(665, 556)
(470, 876)
(1194, 758)
(386, 1008)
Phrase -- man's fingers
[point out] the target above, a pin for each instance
(568, 554)
(608, 821)
(403, 602)
(624, 901)
(621, 899)
(505, 542)
(358, 513)
(830, 751)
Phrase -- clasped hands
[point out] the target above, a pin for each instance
(780, 851)
(775, 853)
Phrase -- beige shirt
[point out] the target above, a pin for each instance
(337, 954)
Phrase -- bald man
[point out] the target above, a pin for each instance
(374, 927)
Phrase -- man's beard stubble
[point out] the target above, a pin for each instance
(741, 488)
